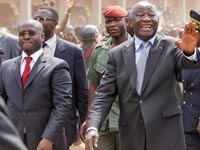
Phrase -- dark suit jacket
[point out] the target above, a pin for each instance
(190, 100)
(9, 45)
(9, 137)
(73, 55)
(154, 117)
(43, 104)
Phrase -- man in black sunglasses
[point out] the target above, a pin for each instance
(71, 53)
(37, 90)
(42, 19)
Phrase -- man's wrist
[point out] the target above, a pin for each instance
(91, 133)
(91, 128)
(49, 141)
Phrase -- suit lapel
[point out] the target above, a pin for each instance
(16, 71)
(59, 48)
(154, 55)
(38, 66)
(129, 60)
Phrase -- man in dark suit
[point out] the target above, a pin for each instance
(72, 54)
(39, 103)
(9, 45)
(190, 102)
(9, 137)
(150, 116)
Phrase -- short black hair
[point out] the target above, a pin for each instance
(36, 24)
(52, 10)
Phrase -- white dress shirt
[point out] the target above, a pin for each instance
(34, 56)
(50, 48)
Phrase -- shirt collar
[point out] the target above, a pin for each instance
(138, 41)
(50, 42)
(34, 56)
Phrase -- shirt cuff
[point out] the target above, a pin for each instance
(92, 128)
(194, 56)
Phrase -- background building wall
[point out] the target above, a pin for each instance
(90, 11)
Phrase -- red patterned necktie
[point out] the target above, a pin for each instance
(27, 70)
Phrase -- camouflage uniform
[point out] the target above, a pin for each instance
(109, 132)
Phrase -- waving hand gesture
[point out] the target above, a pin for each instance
(189, 39)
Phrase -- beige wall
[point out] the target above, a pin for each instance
(86, 11)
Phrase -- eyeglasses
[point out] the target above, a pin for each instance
(30, 33)
(38, 18)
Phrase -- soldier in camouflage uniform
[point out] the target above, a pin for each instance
(116, 28)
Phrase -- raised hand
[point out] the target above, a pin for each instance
(70, 4)
(189, 39)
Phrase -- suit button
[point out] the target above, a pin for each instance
(192, 84)
(184, 102)
(191, 93)
(191, 105)
(141, 101)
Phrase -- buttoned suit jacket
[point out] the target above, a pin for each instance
(9, 45)
(73, 55)
(190, 102)
(38, 109)
(153, 118)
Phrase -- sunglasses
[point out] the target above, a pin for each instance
(42, 19)
(30, 33)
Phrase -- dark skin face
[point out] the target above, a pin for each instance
(198, 42)
(145, 20)
(116, 27)
(30, 38)
(49, 24)
(69, 36)
(129, 25)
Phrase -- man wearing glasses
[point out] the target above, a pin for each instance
(71, 53)
(37, 90)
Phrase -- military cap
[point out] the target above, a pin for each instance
(114, 11)
(195, 17)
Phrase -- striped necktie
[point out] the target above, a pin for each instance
(141, 64)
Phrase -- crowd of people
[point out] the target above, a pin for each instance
(117, 91)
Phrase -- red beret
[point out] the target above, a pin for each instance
(114, 11)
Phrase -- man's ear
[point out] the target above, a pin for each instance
(55, 23)
(43, 36)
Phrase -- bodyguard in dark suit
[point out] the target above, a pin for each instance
(39, 103)
(74, 56)
(190, 99)
(150, 116)
(9, 137)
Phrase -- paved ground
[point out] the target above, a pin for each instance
(79, 145)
